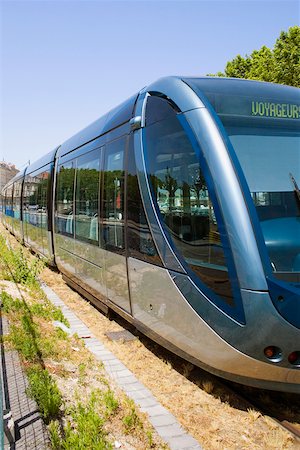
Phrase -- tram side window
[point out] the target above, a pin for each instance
(8, 201)
(31, 200)
(139, 239)
(44, 179)
(17, 199)
(64, 223)
(87, 197)
(113, 196)
(35, 198)
(181, 192)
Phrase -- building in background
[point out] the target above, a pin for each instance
(7, 172)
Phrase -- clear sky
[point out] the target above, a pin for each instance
(65, 63)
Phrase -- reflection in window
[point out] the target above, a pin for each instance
(113, 195)
(8, 201)
(87, 197)
(35, 198)
(139, 239)
(269, 156)
(64, 199)
(181, 192)
(17, 199)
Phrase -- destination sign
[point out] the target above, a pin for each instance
(280, 110)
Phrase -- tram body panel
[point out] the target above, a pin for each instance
(160, 306)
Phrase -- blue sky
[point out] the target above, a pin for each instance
(65, 63)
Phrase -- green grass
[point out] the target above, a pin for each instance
(46, 310)
(131, 420)
(111, 403)
(45, 392)
(16, 266)
(85, 429)
(25, 334)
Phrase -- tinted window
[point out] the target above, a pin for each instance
(139, 240)
(181, 193)
(35, 198)
(17, 199)
(113, 195)
(64, 199)
(270, 160)
(8, 201)
(87, 197)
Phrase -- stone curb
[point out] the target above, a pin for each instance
(164, 422)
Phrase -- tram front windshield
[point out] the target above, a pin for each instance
(269, 153)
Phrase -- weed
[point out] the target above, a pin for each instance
(208, 386)
(57, 314)
(82, 372)
(17, 267)
(44, 390)
(86, 431)
(54, 431)
(61, 334)
(277, 439)
(150, 438)
(111, 403)
(24, 343)
(131, 420)
(48, 311)
(187, 368)
(253, 415)
(9, 304)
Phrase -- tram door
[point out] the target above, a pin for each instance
(112, 224)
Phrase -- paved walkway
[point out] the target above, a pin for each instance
(30, 431)
(164, 422)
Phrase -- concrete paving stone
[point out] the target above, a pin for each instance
(163, 420)
(92, 341)
(79, 326)
(99, 354)
(156, 410)
(115, 364)
(125, 373)
(132, 387)
(94, 348)
(193, 447)
(168, 431)
(75, 325)
(146, 402)
(105, 355)
(183, 442)
(130, 379)
(138, 395)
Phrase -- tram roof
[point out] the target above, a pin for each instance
(241, 87)
(117, 116)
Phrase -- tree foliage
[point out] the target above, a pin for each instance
(278, 65)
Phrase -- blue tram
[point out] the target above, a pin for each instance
(180, 210)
